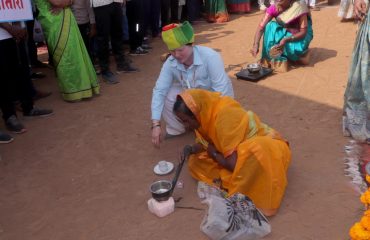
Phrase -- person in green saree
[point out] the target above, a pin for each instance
(287, 30)
(76, 75)
(216, 11)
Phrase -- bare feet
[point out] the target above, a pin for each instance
(305, 59)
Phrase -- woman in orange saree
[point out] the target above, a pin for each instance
(234, 149)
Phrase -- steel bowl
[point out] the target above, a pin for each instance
(254, 67)
(161, 190)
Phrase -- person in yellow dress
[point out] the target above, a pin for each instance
(234, 149)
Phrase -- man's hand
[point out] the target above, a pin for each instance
(92, 30)
(360, 9)
(156, 136)
(18, 33)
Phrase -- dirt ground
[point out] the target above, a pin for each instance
(84, 173)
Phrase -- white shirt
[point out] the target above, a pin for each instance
(83, 12)
(4, 34)
(207, 72)
(100, 3)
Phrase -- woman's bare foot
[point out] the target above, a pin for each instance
(305, 59)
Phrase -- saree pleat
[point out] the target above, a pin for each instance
(75, 72)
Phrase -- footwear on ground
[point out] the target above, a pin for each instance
(14, 125)
(138, 51)
(38, 112)
(5, 138)
(37, 75)
(109, 77)
(146, 47)
(127, 68)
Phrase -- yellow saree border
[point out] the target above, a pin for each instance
(63, 37)
(87, 93)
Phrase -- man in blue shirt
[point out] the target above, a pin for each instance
(188, 67)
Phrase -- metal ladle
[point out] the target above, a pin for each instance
(162, 190)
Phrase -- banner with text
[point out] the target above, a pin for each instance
(15, 10)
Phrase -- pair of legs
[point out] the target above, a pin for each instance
(85, 30)
(136, 18)
(172, 7)
(15, 84)
(173, 125)
(191, 10)
(109, 27)
(260, 172)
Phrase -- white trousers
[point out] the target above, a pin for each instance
(173, 126)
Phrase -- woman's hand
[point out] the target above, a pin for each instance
(360, 9)
(282, 44)
(229, 162)
(211, 150)
(196, 148)
(254, 51)
(55, 10)
(156, 136)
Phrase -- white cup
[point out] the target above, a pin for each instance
(163, 166)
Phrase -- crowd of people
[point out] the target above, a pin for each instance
(80, 36)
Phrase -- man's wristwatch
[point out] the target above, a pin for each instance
(214, 154)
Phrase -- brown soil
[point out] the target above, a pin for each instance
(84, 173)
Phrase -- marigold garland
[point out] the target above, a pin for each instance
(361, 230)
(365, 197)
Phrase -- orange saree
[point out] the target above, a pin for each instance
(262, 155)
